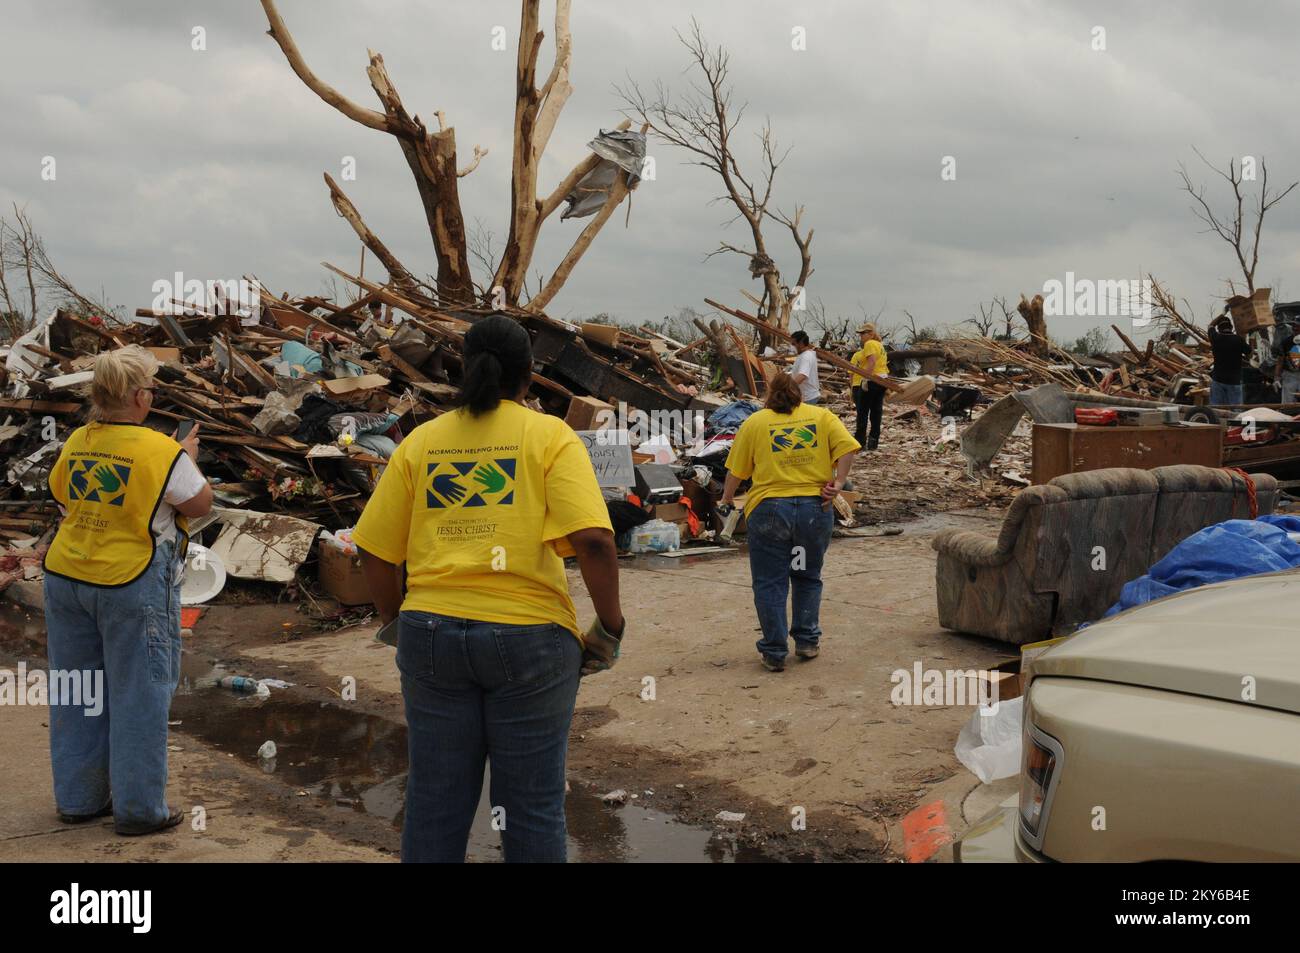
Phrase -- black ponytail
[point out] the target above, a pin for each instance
(498, 361)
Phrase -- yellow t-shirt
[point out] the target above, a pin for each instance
(870, 349)
(788, 454)
(478, 508)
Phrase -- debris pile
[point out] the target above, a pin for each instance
(300, 402)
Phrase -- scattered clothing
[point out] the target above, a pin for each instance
(733, 415)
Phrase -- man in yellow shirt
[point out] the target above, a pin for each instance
(481, 504)
(868, 396)
(798, 456)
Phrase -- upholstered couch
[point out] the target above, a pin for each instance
(1067, 547)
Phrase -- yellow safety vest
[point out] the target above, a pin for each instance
(110, 479)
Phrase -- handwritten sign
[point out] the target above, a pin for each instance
(611, 456)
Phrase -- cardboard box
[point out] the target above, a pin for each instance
(1250, 313)
(1002, 682)
(166, 355)
(671, 512)
(582, 412)
(342, 577)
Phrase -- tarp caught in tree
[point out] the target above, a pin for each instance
(619, 150)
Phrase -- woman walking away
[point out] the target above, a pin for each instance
(868, 396)
(112, 599)
(798, 456)
(482, 504)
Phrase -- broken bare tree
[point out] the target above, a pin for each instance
(432, 157)
(1233, 227)
(990, 315)
(703, 122)
(1032, 313)
(30, 283)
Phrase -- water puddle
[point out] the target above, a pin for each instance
(358, 761)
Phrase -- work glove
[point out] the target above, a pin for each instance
(600, 648)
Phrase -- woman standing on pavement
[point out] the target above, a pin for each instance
(481, 505)
(868, 396)
(798, 457)
(112, 599)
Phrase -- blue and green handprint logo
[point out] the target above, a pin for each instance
(790, 439)
(96, 482)
(470, 483)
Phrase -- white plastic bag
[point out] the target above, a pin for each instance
(989, 745)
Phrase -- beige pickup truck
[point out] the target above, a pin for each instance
(1168, 732)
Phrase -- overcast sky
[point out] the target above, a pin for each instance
(209, 163)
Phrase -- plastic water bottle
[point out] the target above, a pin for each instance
(239, 683)
(656, 536)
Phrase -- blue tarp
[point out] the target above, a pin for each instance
(291, 352)
(1224, 551)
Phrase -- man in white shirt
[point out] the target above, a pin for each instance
(804, 370)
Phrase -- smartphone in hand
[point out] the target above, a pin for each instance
(183, 429)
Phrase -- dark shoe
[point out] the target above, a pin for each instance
(176, 818)
(872, 444)
(105, 811)
(806, 652)
(773, 665)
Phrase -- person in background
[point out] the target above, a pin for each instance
(798, 457)
(1230, 350)
(379, 314)
(804, 369)
(482, 504)
(1288, 375)
(112, 598)
(868, 396)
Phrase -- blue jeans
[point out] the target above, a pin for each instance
(787, 539)
(1225, 393)
(484, 691)
(131, 636)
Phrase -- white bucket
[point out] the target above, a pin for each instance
(204, 575)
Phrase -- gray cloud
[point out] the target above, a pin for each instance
(210, 163)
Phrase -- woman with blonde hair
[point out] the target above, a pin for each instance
(798, 456)
(112, 599)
